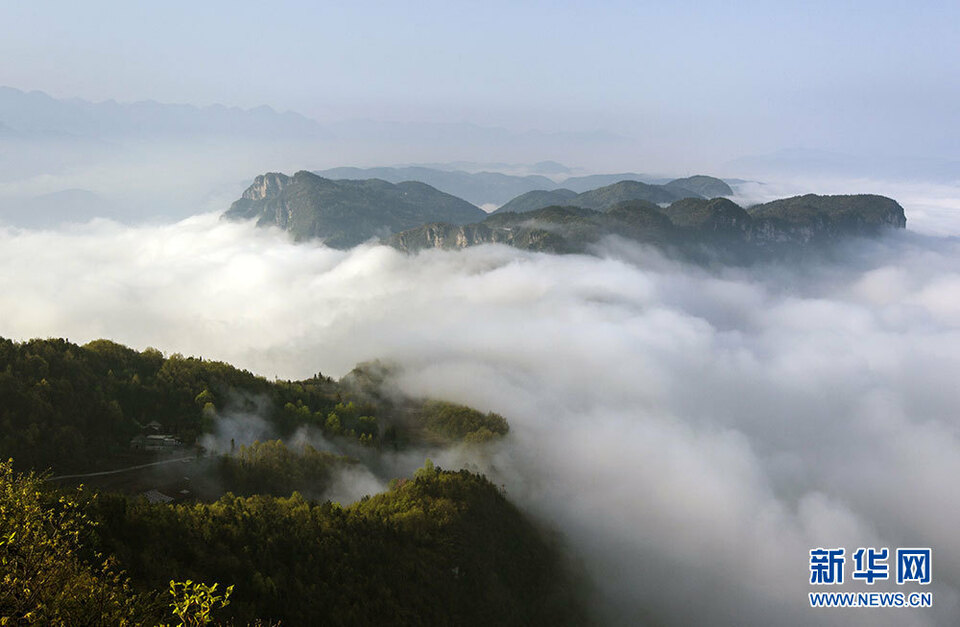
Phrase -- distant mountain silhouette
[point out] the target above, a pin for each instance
(36, 114)
(609, 195)
(481, 188)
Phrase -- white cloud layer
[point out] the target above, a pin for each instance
(693, 432)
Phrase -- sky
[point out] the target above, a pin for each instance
(722, 79)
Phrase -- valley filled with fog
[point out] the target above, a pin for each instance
(691, 431)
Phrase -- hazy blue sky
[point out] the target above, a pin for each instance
(860, 77)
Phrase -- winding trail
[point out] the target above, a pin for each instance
(120, 470)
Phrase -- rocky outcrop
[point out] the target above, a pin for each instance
(344, 213)
(451, 237)
(265, 186)
(445, 236)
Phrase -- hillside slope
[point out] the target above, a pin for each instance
(441, 549)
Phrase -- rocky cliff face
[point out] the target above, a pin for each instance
(452, 237)
(443, 236)
(265, 186)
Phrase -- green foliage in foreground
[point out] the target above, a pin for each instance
(194, 602)
(442, 549)
(47, 574)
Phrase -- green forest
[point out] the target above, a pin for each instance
(442, 548)
(437, 548)
(73, 408)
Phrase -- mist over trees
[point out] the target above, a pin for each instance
(440, 547)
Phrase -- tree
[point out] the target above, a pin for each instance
(194, 602)
(48, 577)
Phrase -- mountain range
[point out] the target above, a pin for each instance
(694, 227)
(36, 114)
(479, 188)
(496, 188)
(621, 191)
(413, 216)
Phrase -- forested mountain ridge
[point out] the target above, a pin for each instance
(79, 408)
(687, 225)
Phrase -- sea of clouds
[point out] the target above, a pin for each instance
(692, 432)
